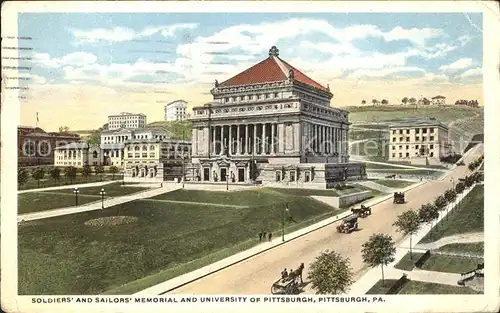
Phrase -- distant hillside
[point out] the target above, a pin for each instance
(388, 114)
(177, 129)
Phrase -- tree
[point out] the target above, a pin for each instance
(70, 172)
(113, 170)
(330, 273)
(363, 102)
(404, 100)
(460, 187)
(408, 223)
(63, 129)
(374, 101)
(378, 250)
(412, 100)
(440, 203)
(38, 174)
(99, 169)
(22, 177)
(469, 181)
(428, 213)
(384, 102)
(86, 171)
(95, 137)
(55, 173)
(426, 101)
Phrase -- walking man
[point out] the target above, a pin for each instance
(260, 236)
(264, 235)
(270, 236)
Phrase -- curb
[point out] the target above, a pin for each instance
(291, 238)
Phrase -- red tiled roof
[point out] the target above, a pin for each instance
(267, 71)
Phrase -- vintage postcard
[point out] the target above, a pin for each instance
(251, 156)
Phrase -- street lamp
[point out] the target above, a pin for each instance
(76, 191)
(227, 182)
(285, 209)
(102, 197)
(183, 170)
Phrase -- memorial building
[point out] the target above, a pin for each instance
(272, 124)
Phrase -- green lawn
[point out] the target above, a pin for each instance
(379, 289)
(112, 190)
(402, 171)
(407, 264)
(471, 248)
(55, 199)
(49, 182)
(450, 264)
(393, 183)
(439, 263)
(414, 287)
(41, 201)
(62, 255)
(467, 217)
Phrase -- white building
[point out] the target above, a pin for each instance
(438, 100)
(418, 142)
(112, 141)
(176, 110)
(272, 124)
(77, 154)
(126, 120)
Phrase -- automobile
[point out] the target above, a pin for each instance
(461, 163)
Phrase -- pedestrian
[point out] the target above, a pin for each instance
(264, 235)
(284, 274)
(260, 236)
(270, 236)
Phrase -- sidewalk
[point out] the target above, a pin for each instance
(366, 282)
(82, 185)
(97, 205)
(241, 256)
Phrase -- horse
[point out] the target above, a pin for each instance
(297, 273)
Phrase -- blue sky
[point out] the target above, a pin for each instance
(125, 52)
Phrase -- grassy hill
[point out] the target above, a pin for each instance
(177, 129)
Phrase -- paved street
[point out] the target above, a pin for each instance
(256, 275)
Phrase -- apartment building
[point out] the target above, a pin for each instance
(176, 110)
(418, 140)
(126, 120)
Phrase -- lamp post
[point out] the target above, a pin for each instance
(123, 177)
(285, 209)
(76, 191)
(227, 182)
(102, 197)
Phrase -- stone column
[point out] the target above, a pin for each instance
(213, 141)
(194, 140)
(263, 143)
(230, 140)
(272, 139)
(254, 139)
(247, 140)
(238, 142)
(221, 139)
(281, 139)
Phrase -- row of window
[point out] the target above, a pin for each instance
(417, 138)
(417, 131)
(138, 155)
(252, 97)
(127, 137)
(70, 163)
(291, 176)
(407, 155)
(416, 147)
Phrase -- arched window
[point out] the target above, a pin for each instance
(137, 148)
(152, 148)
(94, 154)
(144, 148)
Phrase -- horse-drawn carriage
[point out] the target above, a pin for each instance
(362, 212)
(399, 198)
(289, 284)
(349, 224)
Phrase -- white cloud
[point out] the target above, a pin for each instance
(472, 72)
(457, 65)
(418, 36)
(384, 72)
(74, 59)
(121, 34)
